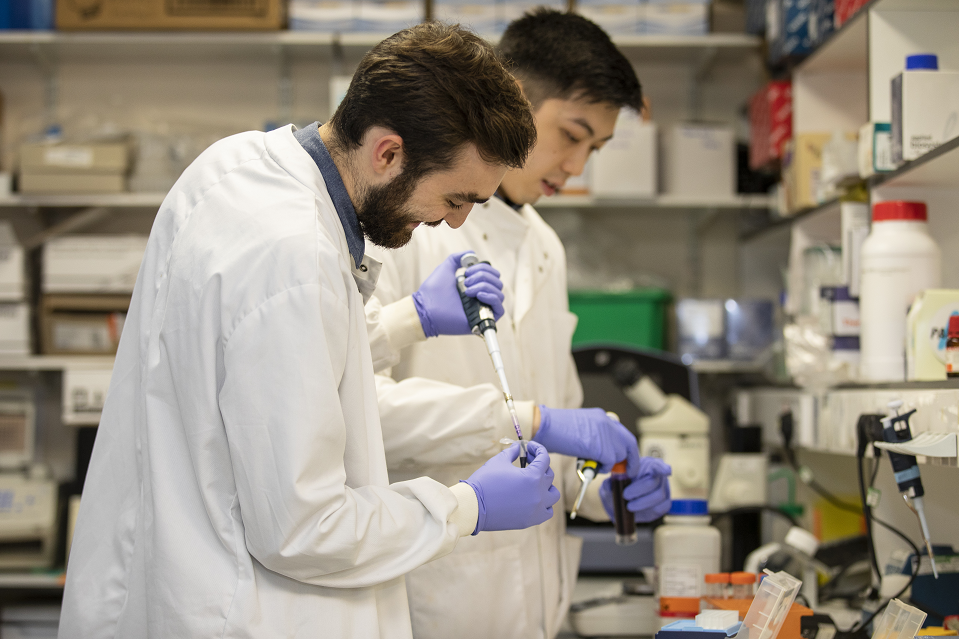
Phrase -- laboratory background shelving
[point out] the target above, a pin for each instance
(713, 248)
(841, 86)
(208, 85)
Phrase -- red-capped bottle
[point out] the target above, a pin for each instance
(952, 347)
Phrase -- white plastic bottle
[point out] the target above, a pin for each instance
(899, 259)
(685, 548)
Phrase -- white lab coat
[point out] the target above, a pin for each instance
(443, 415)
(238, 486)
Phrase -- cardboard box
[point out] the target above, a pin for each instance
(92, 263)
(626, 165)
(14, 329)
(801, 170)
(926, 327)
(76, 159)
(82, 324)
(74, 168)
(663, 17)
(699, 161)
(616, 18)
(327, 16)
(157, 15)
(925, 112)
(770, 123)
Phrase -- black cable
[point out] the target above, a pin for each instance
(786, 430)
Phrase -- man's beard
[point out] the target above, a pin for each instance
(384, 215)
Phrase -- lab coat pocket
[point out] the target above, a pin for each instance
(470, 595)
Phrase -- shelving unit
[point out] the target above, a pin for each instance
(28, 45)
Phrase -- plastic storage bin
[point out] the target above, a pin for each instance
(633, 318)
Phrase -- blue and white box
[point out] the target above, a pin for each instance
(482, 16)
(664, 17)
(389, 16)
(616, 17)
(787, 28)
(326, 16)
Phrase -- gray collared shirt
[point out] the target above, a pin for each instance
(309, 138)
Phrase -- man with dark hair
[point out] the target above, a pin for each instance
(433, 390)
(238, 485)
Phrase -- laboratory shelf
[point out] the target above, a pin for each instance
(938, 168)
(775, 223)
(32, 580)
(46, 45)
(109, 200)
(740, 202)
(55, 362)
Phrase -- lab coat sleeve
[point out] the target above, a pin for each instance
(428, 422)
(391, 328)
(284, 366)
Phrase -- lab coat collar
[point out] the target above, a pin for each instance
(366, 276)
(309, 138)
(282, 146)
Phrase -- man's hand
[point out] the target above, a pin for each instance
(438, 301)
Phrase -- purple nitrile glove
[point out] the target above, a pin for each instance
(588, 433)
(438, 302)
(647, 495)
(512, 498)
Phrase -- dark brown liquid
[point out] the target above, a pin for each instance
(625, 520)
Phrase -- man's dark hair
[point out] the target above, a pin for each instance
(564, 55)
(439, 87)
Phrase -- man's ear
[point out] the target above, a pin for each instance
(387, 156)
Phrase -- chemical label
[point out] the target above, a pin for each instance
(679, 580)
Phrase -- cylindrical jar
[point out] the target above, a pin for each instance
(898, 259)
(716, 585)
(685, 549)
(743, 585)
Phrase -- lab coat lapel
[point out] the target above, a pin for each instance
(533, 268)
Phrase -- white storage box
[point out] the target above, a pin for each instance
(699, 161)
(12, 278)
(92, 263)
(84, 393)
(626, 165)
(14, 329)
(925, 111)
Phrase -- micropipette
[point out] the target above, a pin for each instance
(482, 322)
(895, 429)
(586, 469)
